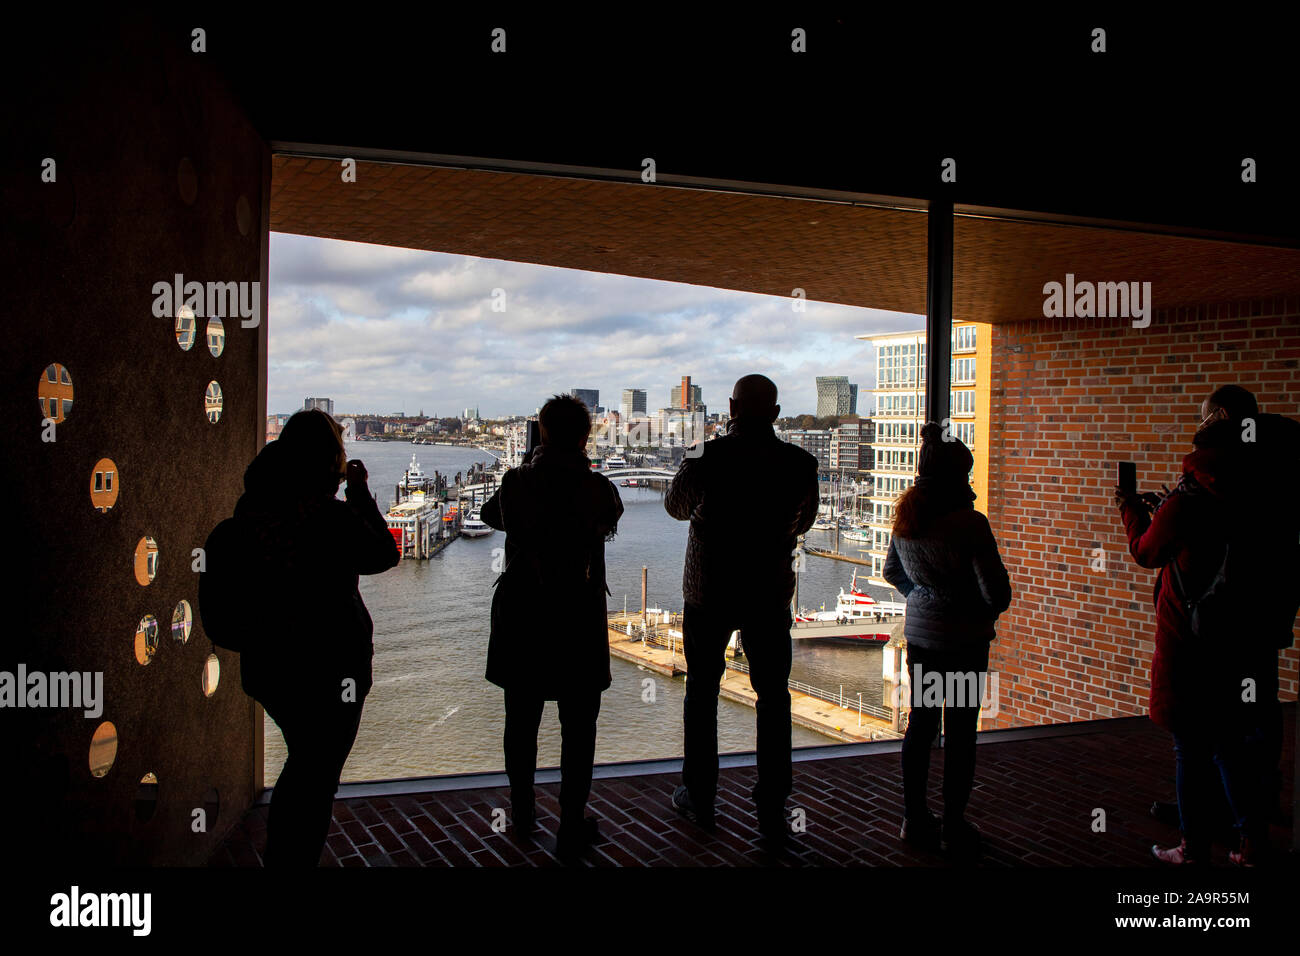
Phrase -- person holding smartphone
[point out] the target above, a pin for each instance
(1197, 677)
(309, 664)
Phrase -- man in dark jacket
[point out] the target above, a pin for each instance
(748, 497)
(549, 638)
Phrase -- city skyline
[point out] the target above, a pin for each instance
(380, 329)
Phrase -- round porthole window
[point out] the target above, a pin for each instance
(182, 622)
(212, 402)
(146, 560)
(103, 485)
(54, 392)
(146, 639)
(103, 749)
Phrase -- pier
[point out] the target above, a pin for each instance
(659, 649)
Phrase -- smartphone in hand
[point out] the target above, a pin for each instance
(1126, 477)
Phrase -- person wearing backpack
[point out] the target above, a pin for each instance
(549, 636)
(280, 587)
(1210, 639)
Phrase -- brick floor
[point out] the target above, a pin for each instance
(1035, 800)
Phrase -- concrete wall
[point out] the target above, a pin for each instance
(158, 173)
(1070, 397)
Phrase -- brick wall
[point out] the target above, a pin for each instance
(1069, 398)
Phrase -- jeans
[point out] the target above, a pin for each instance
(578, 713)
(319, 738)
(766, 637)
(959, 713)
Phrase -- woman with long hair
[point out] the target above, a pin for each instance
(309, 663)
(944, 560)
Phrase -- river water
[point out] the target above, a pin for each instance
(432, 712)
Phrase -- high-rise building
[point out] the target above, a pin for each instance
(633, 403)
(900, 411)
(836, 396)
(817, 442)
(588, 396)
(470, 414)
(326, 405)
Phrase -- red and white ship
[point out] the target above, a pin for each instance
(852, 620)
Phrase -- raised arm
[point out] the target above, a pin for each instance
(370, 545)
(1155, 540)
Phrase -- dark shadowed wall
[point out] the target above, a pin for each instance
(158, 174)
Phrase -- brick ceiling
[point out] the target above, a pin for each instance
(835, 252)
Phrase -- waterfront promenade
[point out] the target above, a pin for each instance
(661, 652)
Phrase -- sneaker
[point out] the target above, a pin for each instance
(574, 839)
(960, 838)
(700, 816)
(924, 832)
(1176, 855)
(1250, 852)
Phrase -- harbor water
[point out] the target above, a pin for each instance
(432, 712)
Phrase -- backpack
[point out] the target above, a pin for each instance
(228, 586)
(1253, 594)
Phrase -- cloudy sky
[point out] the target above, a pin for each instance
(383, 330)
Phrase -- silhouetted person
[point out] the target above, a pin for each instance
(748, 497)
(1231, 500)
(549, 637)
(944, 560)
(309, 663)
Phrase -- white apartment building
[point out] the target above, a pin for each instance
(899, 413)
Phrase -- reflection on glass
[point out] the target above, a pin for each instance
(211, 675)
(216, 336)
(54, 392)
(185, 327)
(103, 749)
(182, 621)
(146, 560)
(103, 485)
(212, 402)
(146, 639)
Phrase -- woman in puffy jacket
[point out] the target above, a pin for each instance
(944, 560)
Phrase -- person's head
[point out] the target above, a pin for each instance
(314, 441)
(942, 467)
(1228, 402)
(564, 423)
(754, 397)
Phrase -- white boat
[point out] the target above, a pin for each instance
(857, 534)
(823, 524)
(854, 606)
(615, 461)
(474, 527)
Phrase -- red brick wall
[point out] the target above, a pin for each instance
(1069, 398)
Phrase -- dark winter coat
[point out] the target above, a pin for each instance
(1232, 491)
(953, 580)
(309, 549)
(748, 496)
(549, 630)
